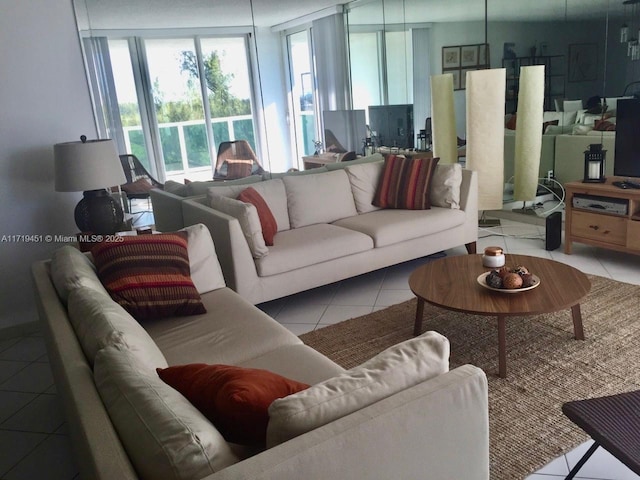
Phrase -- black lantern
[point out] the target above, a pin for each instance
(594, 164)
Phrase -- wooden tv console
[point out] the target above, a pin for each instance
(601, 228)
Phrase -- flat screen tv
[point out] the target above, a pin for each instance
(627, 150)
(392, 124)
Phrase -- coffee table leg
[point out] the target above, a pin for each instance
(417, 326)
(502, 347)
(578, 331)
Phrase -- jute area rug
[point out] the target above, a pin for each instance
(545, 365)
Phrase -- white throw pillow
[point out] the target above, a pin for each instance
(364, 179)
(581, 129)
(391, 371)
(164, 435)
(98, 321)
(445, 186)
(320, 198)
(247, 215)
(206, 272)
(70, 269)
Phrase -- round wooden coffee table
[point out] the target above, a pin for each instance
(451, 283)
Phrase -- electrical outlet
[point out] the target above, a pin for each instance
(550, 175)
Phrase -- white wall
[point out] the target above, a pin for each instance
(45, 100)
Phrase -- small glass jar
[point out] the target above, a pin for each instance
(493, 257)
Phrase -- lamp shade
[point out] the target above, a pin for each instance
(87, 165)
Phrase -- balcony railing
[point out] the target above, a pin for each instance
(184, 144)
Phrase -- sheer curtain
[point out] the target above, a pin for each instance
(332, 66)
(103, 90)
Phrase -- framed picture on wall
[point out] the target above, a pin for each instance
(456, 77)
(450, 57)
(583, 62)
(469, 55)
(463, 77)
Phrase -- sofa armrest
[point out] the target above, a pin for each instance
(235, 258)
(167, 210)
(438, 429)
(97, 449)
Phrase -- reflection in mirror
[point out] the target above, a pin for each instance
(403, 41)
(570, 39)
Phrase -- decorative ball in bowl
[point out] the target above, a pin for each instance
(509, 279)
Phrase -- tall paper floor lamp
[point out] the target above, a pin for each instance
(90, 166)
(528, 135)
(485, 137)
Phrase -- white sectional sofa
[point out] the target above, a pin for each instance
(328, 229)
(126, 423)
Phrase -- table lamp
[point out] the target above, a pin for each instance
(90, 166)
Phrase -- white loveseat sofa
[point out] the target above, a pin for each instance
(328, 229)
(125, 423)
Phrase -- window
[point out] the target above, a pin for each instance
(302, 98)
(177, 99)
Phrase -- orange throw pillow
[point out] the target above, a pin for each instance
(267, 220)
(235, 399)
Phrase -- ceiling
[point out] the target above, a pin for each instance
(130, 14)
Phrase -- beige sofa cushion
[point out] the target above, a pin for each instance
(206, 272)
(321, 198)
(310, 245)
(364, 179)
(393, 370)
(231, 332)
(275, 195)
(387, 227)
(176, 188)
(445, 186)
(247, 215)
(164, 435)
(99, 321)
(201, 188)
(70, 269)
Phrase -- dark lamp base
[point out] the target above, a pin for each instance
(98, 213)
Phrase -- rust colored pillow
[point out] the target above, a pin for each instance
(148, 275)
(604, 126)
(405, 183)
(235, 399)
(267, 220)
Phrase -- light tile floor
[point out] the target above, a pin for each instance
(33, 438)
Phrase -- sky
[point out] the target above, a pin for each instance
(163, 61)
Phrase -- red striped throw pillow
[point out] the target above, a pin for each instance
(405, 183)
(148, 275)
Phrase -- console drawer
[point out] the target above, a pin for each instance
(603, 228)
(633, 234)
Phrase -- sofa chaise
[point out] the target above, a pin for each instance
(126, 423)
